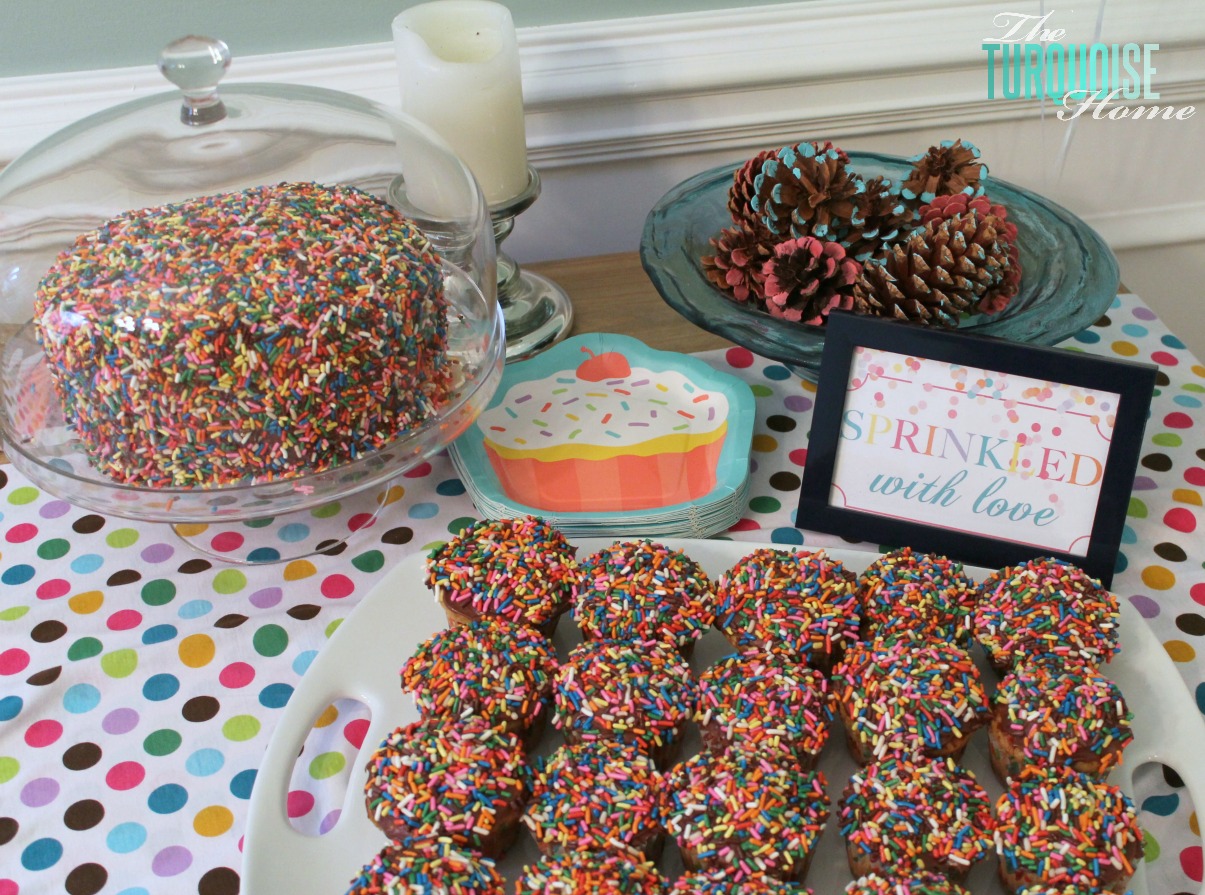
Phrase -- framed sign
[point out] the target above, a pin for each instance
(987, 451)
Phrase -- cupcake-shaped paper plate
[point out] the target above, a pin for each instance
(604, 435)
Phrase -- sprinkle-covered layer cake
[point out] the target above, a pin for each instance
(245, 336)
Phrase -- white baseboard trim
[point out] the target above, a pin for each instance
(1146, 228)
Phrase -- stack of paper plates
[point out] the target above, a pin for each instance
(603, 436)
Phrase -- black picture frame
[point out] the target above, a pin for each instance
(1132, 382)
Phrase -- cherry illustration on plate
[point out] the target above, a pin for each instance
(608, 365)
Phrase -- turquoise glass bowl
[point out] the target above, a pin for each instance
(1069, 276)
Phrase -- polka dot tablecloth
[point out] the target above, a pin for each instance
(140, 683)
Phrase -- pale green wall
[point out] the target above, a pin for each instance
(42, 36)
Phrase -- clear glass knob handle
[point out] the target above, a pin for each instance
(195, 64)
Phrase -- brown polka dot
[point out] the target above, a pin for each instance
(48, 631)
(86, 879)
(1103, 321)
(401, 535)
(193, 566)
(84, 814)
(1162, 379)
(8, 829)
(81, 756)
(44, 677)
(3, 478)
(331, 548)
(200, 708)
(233, 620)
(1157, 462)
(780, 423)
(218, 881)
(125, 576)
(1172, 777)
(1171, 552)
(1191, 623)
(86, 525)
(304, 612)
(785, 481)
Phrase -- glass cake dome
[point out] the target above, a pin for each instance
(180, 148)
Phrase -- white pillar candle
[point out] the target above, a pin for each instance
(458, 70)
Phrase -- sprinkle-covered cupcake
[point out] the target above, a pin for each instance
(901, 816)
(907, 884)
(1045, 606)
(643, 590)
(902, 695)
(725, 882)
(499, 670)
(1058, 827)
(522, 570)
(765, 703)
(800, 603)
(596, 873)
(746, 815)
(463, 780)
(427, 867)
(597, 796)
(1084, 887)
(928, 593)
(1058, 713)
(641, 693)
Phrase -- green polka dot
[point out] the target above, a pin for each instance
(158, 592)
(326, 511)
(332, 628)
(1137, 508)
(22, 496)
(1168, 439)
(229, 581)
(765, 505)
(8, 768)
(122, 537)
(372, 561)
(162, 742)
(327, 765)
(1150, 847)
(270, 640)
(84, 648)
(55, 548)
(259, 523)
(119, 663)
(456, 526)
(13, 613)
(761, 391)
(241, 728)
(1193, 387)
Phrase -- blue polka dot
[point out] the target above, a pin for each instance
(1135, 330)
(1121, 564)
(1172, 342)
(1087, 336)
(125, 838)
(10, 707)
(786, 536)
(204, 762)
(159, 687)
(17, 574)
(293, 532)
(1201, 697)
(196, 609)
(275, 696)
(81, 698)
(450, 488)
(1128, 535)
(241, 783)
(1187, 401)
(89, 562)
(263, 554)
(776, 372)
(159, 634)
(168, 798)
(41, 853)
(137, 890)
(303, 660)
(424, 511)
(1116, 303)
(1164, 806)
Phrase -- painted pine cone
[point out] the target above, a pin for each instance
(881, 215)
(806, 190)
(806, 278)
(741, 193)
(736, 266)
(950, 167)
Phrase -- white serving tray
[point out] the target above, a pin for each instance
(362, 660)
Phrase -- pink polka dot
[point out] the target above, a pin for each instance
(1180, 519)
(1190, 862)
(53, 589)
(125, 775)
(799, 456)
(1178, 420)
(1197, 591)
(740, 358)
(13, 661)
(9, 887)
(336, 587)
(236, 674)
(21, 533)
(360, 520)
(1162, 357)
(746, 525)
(225, 541)
(1195, 475)
(423, 469)
(43, 733)
(299, 803)
(355, 731)
(124, 620)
